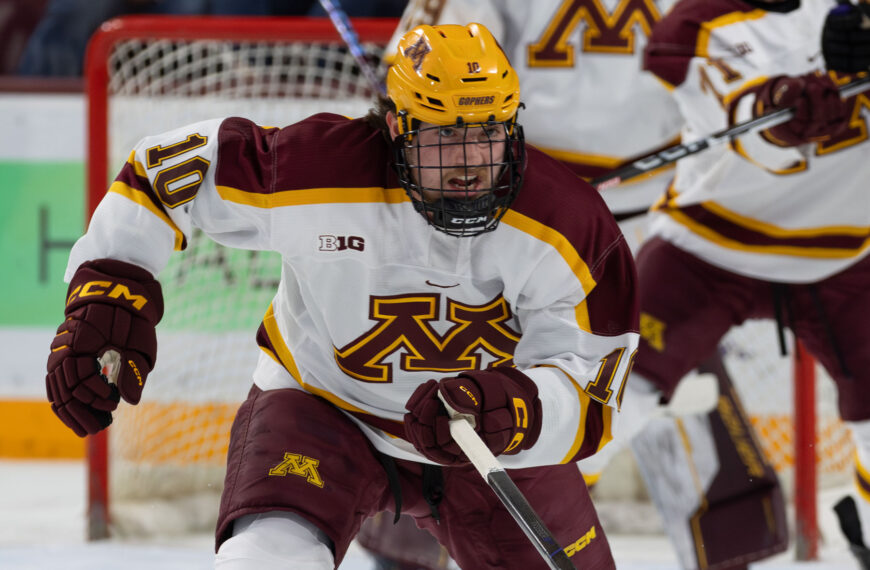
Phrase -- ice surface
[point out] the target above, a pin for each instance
(42, 525)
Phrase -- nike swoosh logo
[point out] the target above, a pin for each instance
(441, 286)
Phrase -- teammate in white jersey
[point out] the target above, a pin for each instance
(774, 224)
(427, 250)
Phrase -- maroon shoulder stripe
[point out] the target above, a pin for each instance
(733, 231)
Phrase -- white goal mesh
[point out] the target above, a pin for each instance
(765, 381)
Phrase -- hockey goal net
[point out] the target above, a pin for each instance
(149, 74)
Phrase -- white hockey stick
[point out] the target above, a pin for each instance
(462, 430)
(345, 29)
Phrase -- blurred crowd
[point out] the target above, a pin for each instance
(49, 37)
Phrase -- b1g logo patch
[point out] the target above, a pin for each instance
(341, 243)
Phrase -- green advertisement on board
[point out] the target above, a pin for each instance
(207, 288)
(42, 216)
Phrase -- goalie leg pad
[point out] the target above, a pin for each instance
(861, 437)
(719, 497)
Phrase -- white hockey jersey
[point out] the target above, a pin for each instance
(588, 101)
(787, 214)
(372, 300)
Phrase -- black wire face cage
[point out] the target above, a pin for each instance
(462, 178)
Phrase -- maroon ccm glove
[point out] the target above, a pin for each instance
(111, 305)
(503, 401)
(819, 110)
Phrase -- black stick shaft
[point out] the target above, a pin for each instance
(462, 431)
(528, 520)
(673, 153)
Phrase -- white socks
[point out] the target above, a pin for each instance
(278, 539)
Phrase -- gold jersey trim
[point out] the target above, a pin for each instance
(141, 198)
(581, 314)
(862, 477)
(558, 241)
(285, 358)
(779, 232)
(313, 196)
(608, 161)
(580, 436)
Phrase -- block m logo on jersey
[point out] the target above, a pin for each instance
(603, 32)
(295, 464)
(404, 332)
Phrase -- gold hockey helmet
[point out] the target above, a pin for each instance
(442, 74)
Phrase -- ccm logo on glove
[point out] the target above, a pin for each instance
(522, 422)
(109, 289)
(470, 395)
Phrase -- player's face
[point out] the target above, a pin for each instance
(461, 162)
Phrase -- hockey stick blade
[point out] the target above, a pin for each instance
(462, 431)
(673, 153)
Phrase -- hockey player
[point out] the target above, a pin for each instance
(590, 105)
(773, 225)
(426, 251)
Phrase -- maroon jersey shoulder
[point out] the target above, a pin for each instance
(322, 151)
(559, 199)
(673, 41)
